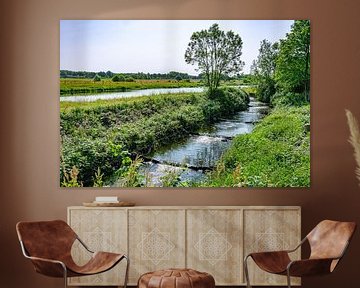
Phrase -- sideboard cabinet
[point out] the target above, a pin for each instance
(210, 239)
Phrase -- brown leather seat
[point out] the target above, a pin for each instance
(328, 242)
(48, 245)
(176, 278)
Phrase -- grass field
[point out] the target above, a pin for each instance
(86, 86)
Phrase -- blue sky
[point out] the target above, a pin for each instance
(151, 46)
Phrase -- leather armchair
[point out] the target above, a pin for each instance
(48, 245)
(328, 243)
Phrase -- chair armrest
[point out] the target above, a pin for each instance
(84, 245)
(309, 267)
(281, 251)
(48, 267)
(298, 246)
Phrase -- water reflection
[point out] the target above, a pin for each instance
(134, 93)
(197, 151)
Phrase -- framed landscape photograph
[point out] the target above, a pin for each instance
(185, 103)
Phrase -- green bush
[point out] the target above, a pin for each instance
(129, 79)
(97, 78)
(88, 155)
(265, 90)
(118, 78)
(288, 99)
(230, 99)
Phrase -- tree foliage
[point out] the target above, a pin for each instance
(293, 64)
(282, 70)
(263, 68)
(265, 63)
(139, 75)
(216, 53)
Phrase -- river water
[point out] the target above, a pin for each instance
(133, 93)
(127, 94)
(189, 159)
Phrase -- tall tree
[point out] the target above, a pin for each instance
(263, 68)
(293, 64)
(266, 60)
(216, 53)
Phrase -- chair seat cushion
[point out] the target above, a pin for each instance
(176, 278)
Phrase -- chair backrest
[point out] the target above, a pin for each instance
(329, 239)
(46, 239)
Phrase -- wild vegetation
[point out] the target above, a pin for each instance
(104, 137)
(275, 154)
(282, 70)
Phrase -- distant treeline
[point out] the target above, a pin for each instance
(140, 75)
(144, 76)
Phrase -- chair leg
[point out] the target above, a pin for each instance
(65, 276)
(127, 271)
(246, 270)
(288, 278)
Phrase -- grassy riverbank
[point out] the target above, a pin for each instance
(275, 154)
(101, 135)
(89, 86)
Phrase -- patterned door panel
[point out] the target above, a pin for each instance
(270, 230)
(214, 241)
(157, 240)
(100, 230)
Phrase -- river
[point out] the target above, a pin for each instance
(133, 93)
(128, 94)
(191, 158)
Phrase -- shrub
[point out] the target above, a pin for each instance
(97, 78)
(129, 79)
(265, 90)
(89, 155)
(231, 99)
(178, 78)
(288, 99)
(118, 78)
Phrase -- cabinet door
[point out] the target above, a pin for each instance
(270, 230)
(214, 244)
(101, 230)
(156, 240)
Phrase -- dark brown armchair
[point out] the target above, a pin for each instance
(48, 245)
(328, 242)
